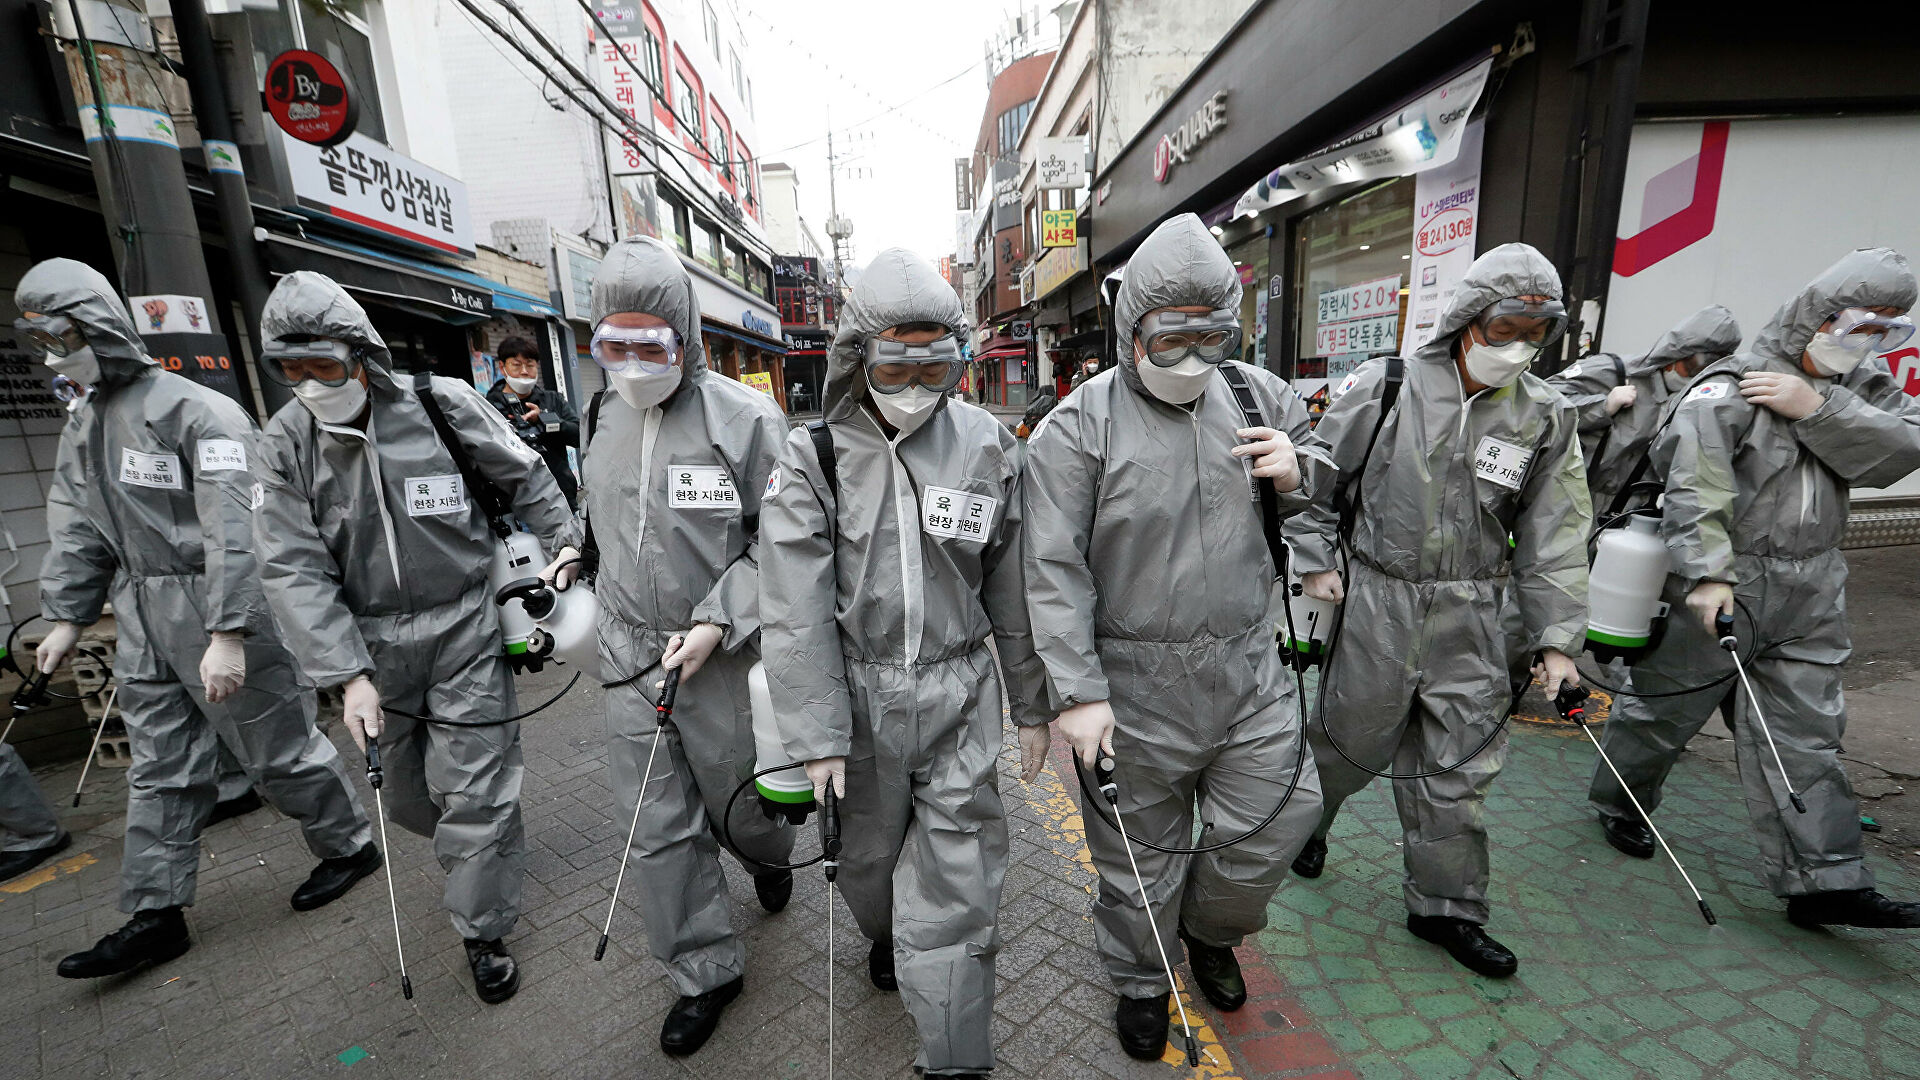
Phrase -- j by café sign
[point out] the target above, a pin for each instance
(1177, 146)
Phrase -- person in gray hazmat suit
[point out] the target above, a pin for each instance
(878, 591)
(1473, 496)
(375, 557)
(1622, 400)
(1145, 553)
(30, 831)
(153, 499)
(674, 472)
(1758, 461)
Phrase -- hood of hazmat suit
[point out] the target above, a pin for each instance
(876, 604)
(1148, 572)
(1761, 502)
(83, 294)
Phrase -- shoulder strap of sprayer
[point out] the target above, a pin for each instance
(493, 502)
(1637, 476)
(1347, 495)
(1620, 377)
(830, 472)
(590, 548)
(1269, 501)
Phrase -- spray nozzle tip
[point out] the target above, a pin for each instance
(406, 987)
(1193, 1052)
(1799, 805)
(600, 950)
(1707, 914)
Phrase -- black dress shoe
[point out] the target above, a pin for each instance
(333, 877)
(691, 1021)
(235, 807)
(1629, 836)
(1852, 907)
(15, 863)
(1141, 1024)
(1467, 943)
(150, 937)
(1312, 858)
(774, 890)
(1217, 971)
(495, 976)
(880, 966)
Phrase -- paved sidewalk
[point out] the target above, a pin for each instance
(1618, 977)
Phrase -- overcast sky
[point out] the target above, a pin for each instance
(855, 59)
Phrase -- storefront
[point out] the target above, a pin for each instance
(741, 333)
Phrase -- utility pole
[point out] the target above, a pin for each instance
(116, 73)
(838, 228)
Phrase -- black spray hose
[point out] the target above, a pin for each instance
(27, 674)
(726, 834)
(1753, 653)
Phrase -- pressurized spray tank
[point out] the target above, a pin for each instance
(566, 622)
(787, 793)
(1304, 624)
(1623, 592)
(516, 556)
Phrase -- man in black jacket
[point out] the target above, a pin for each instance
(540, 416)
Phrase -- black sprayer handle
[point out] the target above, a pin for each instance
(667, 694)
(33, 692)
(1570, 703)
(374, 775)
(1103, 777)
(1723, 625)
(830, 831)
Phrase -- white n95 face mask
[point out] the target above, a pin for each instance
(1831, 357)
(80, 365)
(523, 387)
(642, 389)
(1500, 365)
(332, 404)
(909, 408)
(1675, 381)
(1177, 385)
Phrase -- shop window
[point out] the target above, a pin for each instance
(722, 150)
(673, 222)
(736, 265)
(1251, 260)
(706, 243)
(1362, 240)
(1010, 124)
(651, 63)
(760, 279)
(686, 106)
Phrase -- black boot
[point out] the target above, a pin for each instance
(235, 807)
(774, 889)
(691, 1021)
(1629, 836)
(1852, 907)
(15, 863)
(333, 877)
(1217, 971)
(1467, 943)
(150, 937)
(1312, 858)
(495, 976)
(1141, 1024)
(880, 966)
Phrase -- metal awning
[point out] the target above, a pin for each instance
(458, 296)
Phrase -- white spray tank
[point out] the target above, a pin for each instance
(1303, 624)
(1623, 593)
(516, 556)
(787, 793)
(566, 622)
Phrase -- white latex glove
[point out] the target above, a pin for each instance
(562, 577)
(1034, 743)
(1789, 395)
(689, 651)
(1708, 601)
(1324, 585)
(223, 667)
(57, 646)
(1272, 454)
(1088, 728)
(361, 711)
(1621, 397)
(824, 769)
(1556, 668)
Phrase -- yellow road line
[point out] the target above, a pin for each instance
(1060, 815)
(47, 873)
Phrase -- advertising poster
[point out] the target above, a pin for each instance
(1446, 215)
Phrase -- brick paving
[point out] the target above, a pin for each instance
(1618, 976)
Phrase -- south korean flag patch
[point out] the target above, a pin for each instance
(773, 483)
(1345, 385)
(1707, 391)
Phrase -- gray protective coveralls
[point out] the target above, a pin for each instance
(875, 613)
(1614, 445)
(1148, 585)
(1760, 502)
(365, 580)
(27, 820)
(1418, 673)
(674, 493)
(153, 498)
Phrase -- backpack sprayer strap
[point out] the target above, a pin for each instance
(1634, 478)
(1269, 500)
(1347, 496)
(590, 548)
(493, 502)
(1620, 375)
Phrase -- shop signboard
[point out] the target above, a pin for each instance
(1060, 164)
(1446, 218)
(310, 99)
(1058, 267)
(1059, 228)
(1424, 134)
(1178, 146)
(1006, 194)
(1359, 318)
(759, 380)
(364, 183)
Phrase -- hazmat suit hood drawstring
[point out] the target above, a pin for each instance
(1507, 271)
(308, 304)
(1864, 277)
(83, 294)
(1179, 264)
(896, 287)
(641, 273)
(1711, 330)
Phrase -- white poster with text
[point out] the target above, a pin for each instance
(1446, 215)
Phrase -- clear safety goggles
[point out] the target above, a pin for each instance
(894, 366)
(55, 334)
(646, 350)
(66, 391)
(1172, 336)
(1868, 333)
(1513, 319)
(328, 362)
